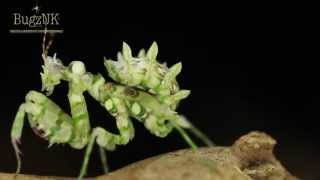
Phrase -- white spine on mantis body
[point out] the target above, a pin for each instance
(146, 73)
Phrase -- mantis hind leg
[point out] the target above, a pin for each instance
(162, 126)
(103, 158)
(185, 136)
(182, 122)
(97, 132)
(107, 140)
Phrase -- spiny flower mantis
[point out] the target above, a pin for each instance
(144, 90)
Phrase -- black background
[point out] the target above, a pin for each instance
(246, 70)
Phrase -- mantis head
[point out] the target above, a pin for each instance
(52, 73)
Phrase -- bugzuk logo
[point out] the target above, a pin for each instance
(38, 22)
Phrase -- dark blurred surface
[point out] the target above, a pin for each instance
(246, 72)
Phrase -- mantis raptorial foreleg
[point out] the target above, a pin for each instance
(44, 116)
(80, 117)
(16, 133)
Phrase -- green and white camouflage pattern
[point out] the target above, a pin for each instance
(143, 90)
(146, 73)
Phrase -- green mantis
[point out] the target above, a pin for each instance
(143, 89)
